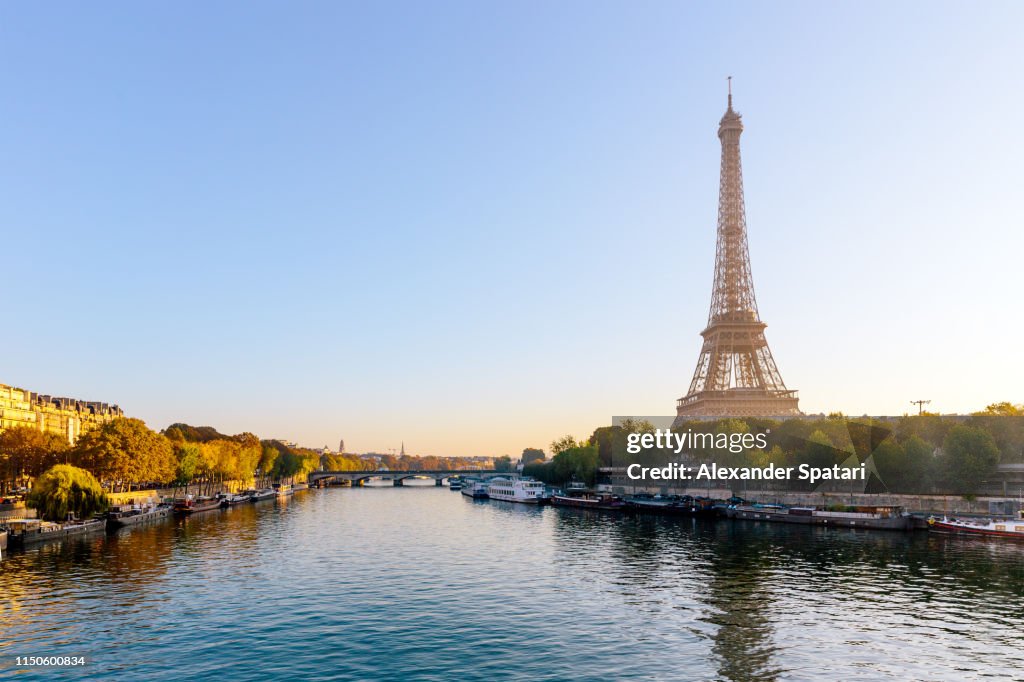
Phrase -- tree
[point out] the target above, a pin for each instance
(919, 458)
(503, 463)
(562, 444)
(188, 456)
(578, 463)
(26, 452)
(634, 425)
(1004, 409)
(532, 455)
(611, 445)
(970, 455)
(65, 489)
(193, 434)
(125, 452)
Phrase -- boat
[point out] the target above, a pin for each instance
(123, 515)
(582, 498)
(475, 489)
(674, 505)
(878, 518)
(27, 532)
(994, 528)
(455, 484)
(283, 490)
(263, 494)
(184, 506)
(231, 499)
(517, 490)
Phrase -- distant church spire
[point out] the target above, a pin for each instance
(403, 449)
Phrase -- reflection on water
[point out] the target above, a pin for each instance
(428, 584)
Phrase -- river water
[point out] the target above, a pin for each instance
(426, 584)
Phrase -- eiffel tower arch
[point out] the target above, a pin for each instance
(736, 375)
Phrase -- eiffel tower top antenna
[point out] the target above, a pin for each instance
(729, 79)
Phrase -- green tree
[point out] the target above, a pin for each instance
(578, 463)
(970, 455)
(634, 425)
(892, 464)
(65, 489)
(919, 459)
(503, 463)
(562, 444)
(532, 455)
(188, 457)
(611, 445)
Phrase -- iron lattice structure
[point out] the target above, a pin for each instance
(736, 375)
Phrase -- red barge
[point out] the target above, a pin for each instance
(1009, 528)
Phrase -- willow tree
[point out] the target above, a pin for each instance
(65, 489)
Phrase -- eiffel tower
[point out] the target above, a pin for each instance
(736, 375)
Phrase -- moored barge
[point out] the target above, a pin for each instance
(876, 518)
(263, 494)
(589, 500)
(185, 506)
(994, 528)
(132, 515)
(475, 489)
(28, 532)
(674, 505)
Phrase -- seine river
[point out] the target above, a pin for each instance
(426, 584)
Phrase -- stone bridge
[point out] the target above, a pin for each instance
(360, 477)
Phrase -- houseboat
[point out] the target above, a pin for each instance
(283, 490)
(263, 494)
(184, 506)
(475, 489)
(455, 483)
(588, 499)
(673, 505)
(1009, 528)
(878, 518)
(28, 532)
(231, 499)
(123, 515)
(517, 490)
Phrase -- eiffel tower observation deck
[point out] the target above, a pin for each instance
(736, 375)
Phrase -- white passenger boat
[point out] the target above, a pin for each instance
(518, 490)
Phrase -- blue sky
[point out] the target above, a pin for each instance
(475, 227)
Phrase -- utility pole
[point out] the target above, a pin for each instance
(920, 405)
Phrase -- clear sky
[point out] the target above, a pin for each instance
(478, 226)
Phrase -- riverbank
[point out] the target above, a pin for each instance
(25, 530)
(915, 504)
